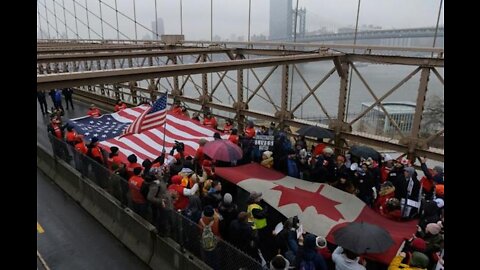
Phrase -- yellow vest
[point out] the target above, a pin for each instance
(257, 223)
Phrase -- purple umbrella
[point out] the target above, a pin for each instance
(223, 150)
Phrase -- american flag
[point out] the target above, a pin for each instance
(149, 143)
(108, 125)
(154, 117)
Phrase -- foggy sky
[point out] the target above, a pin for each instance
(230, 17)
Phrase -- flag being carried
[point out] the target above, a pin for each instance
(150, 118)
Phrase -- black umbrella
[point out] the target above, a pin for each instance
(365, 152)
(314, 131)
(361, 238)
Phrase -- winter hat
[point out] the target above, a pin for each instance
(94, 140)
(202, 142)
(419, 260)
(328, 150)
(114, 149)
(410, 170)
(440, 202)
(186, 171)
(255, 196)
(227, 198)
(439, 169)
(208, 211)
(433, 228)
(418, 244)
(279, 263)
(132, 158)
(146, 163)
(387, 157)
(310, 241)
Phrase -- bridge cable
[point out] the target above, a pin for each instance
(294, 40)
(350, 68)
(88, 22)
(121, 13)
(48, 10)
(46, 16)
(76, 19)
(105, 23)
(55, 15)
(65, 18)
(436, 28)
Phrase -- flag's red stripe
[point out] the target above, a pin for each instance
(188, 129)
(125, 146)
(144, 146)
(188, 149)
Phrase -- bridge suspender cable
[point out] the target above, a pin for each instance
(350, 75)
(436, 28)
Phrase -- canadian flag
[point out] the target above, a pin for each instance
(321, 208)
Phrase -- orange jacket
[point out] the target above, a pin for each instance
(81, 147)
(210, 122)
(233, 139)
(130, 168)
(135, 183)
(94, 112)
(70, 137)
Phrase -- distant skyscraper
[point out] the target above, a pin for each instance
(161, 29)
(281, 19)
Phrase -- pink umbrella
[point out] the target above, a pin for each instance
(223, 150)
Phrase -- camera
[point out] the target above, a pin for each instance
(179, 146)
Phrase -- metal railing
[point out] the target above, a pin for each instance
(173, 224)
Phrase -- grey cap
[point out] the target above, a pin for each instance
(410, 170)
(438, 169)
(227, 198)
(255, 196)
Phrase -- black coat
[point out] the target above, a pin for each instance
(240, 234)
(229, 213)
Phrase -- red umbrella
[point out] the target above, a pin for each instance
(223, 150)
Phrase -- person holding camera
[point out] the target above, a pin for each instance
(177, 166)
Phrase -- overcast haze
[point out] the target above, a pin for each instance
(230, 17)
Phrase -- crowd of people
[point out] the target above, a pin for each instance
(189, 185)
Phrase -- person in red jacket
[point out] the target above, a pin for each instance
(80, 145)
(227, 128)
(132, 159)
(176, 108)
(94, 111)
(180, 193)
(135, 183)
(79, 155)
(234, 136)
(199, 156)
(94, 150)
(386, 168)
(209, 120)
(70, 136)
(120, 106)
(113, 158)
(250, 130)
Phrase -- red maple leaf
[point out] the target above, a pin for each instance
(304, 199)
